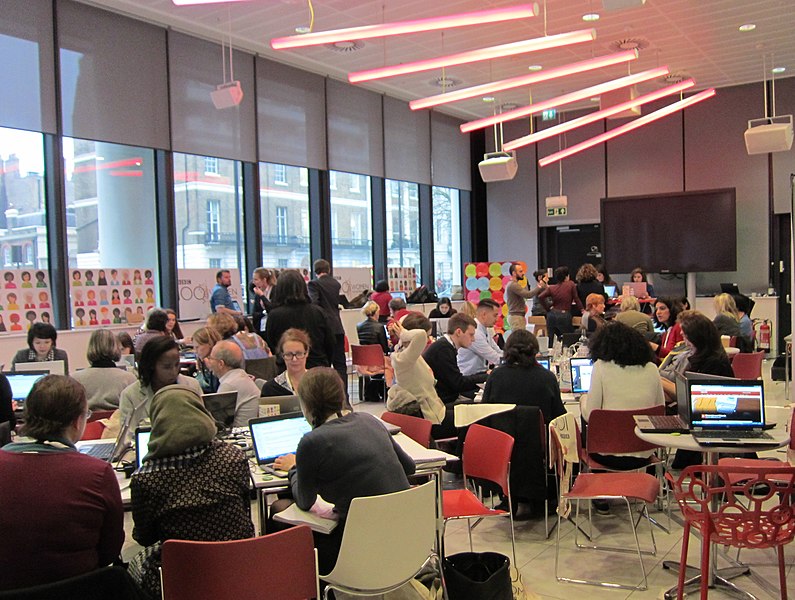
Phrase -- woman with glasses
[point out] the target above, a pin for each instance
(62, 516)
(293, 349)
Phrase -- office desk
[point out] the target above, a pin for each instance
(718, 578)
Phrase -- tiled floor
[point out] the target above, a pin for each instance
(536, 555)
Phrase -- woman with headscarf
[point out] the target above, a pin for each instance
(190, 486)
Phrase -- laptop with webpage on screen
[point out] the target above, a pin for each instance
(21, 384)
(276, 436)
(728, 412)
(141, 445)
(581, 369)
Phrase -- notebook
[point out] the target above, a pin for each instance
(276, 436)
(52, 367)
(141, 445)
(728, 412)
(21, 383)
(221, 407)
(581, 369)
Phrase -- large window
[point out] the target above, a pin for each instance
(23, 233)
(446, 240)
(209, 213)
(351, 220)
(403, 225)
(110, 205)
(284, 202)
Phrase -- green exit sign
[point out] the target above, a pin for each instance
(549, 115)
(561, 211)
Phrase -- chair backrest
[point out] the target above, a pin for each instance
(371, 355)
(280, 565)
(387, 539)
(262, 368)
(100, 584)
(756, 511)
(417, 429)
(93, 431)
(487, 455)
(748, 365)
(613, 431)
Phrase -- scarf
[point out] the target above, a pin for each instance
(179, 422)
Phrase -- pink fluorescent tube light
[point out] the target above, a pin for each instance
(627, 127)
(514, 82)
(544, 43)
(598, 115)
(594, 90)
(481, 17)
(190, 2)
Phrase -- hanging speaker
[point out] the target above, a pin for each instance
(772, 134)
(227, 95)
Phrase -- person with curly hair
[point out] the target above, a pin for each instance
(521, 380)
(588, 283)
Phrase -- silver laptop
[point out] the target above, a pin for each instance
(678, 423)
(728, 412)
(276, 436)
(22, 383)
(106, 449)
(287, 404)
(53, 367)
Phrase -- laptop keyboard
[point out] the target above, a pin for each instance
(101, 451)
(743, 435)
(666, 421)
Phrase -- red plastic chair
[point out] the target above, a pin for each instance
(417, 429)
(613, 432)
(730, 463)
(93, 431)
(487, 455)
(748, 365)
(280, 565)
(371, 356)
(604, 486)
(756, 513)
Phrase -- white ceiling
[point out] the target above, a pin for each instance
(698, 38)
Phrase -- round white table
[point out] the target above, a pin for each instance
(718, 578)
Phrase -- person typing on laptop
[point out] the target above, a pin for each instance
(41, 347)
(60, 511)
(345, 456)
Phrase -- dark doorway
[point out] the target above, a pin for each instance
(781, 275)
(570, 245)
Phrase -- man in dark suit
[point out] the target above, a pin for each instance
(325, 292)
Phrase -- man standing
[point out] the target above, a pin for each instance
(484, 351)
(325, 292)
(220, 299)
(226, 363)
(516, 294)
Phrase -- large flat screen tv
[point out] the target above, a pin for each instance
(685, 232)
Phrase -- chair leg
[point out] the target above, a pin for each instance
(782, 573)
(637, 542)
(705, 558)
(680, 584)
(469, 531)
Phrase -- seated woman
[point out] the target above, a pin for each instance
(665, 315)
(624, 376)
(631, 316)
(521, 380)
(252, 344)
(594, 316)
(157, 368)
(204, 339)
(603, 277)
(371, 330)
(444, 309)
(190, 485)
(346, 455)
(41, 347)
(638, 275)
(126, 345)
(294, 350)
(103, 380)
(63, 515)
(156, 326)
(727, 321)
(173, 329)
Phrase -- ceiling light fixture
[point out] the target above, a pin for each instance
(523, 80)
(544, 43)
(747, 27)
(190, 2)
(582, 94)
(590, 17)
(534, 68)
(627, 127)
(403, 27)
(597, 116)
(778, 70)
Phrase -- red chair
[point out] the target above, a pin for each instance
(280, 565)
(748, 365)
(93, 431)
(756, 513)
(372, 358)
(417, 429)
(602, 486)
(613, 432)
(487, 455)
(730, 463)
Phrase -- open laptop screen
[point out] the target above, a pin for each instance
(544, 362)
(276, 436)
(727, 404)
(581, 369)
(141, 444)
(21, 383)
(53, 367)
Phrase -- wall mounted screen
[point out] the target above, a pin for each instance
(678, 233)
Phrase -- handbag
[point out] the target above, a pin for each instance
(478, 576)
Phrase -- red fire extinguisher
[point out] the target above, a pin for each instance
(764, 335)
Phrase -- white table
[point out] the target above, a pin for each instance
(718, 578)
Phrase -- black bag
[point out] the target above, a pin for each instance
(478, 576)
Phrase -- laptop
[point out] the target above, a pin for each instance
(678, 423)
(728, 412)
(106, 449)
(276, 436)
(52, 367)
(610, 290)
(222, 407)
(287, 404)
(128, 360)
(635, 288)
(21, 384)
(141, 445)
(581, 369)
(544, 362)
(729, 288)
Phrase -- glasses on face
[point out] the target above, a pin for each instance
(293, 355)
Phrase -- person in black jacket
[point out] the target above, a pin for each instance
(6, 404)
(371, 330)
(262, 282)
(325, 292)
(587, 283)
